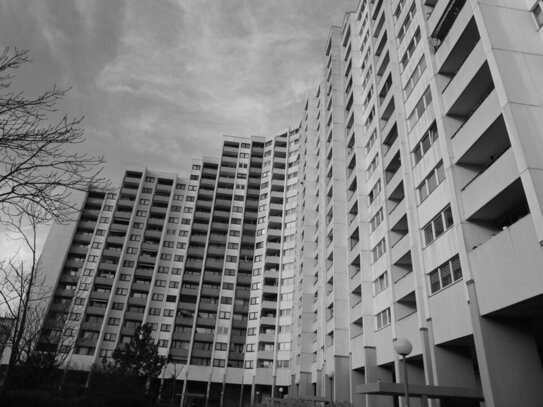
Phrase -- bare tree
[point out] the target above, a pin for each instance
(37, 164)
(24, 295)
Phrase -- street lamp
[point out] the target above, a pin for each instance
(403, 348)
(281, 392)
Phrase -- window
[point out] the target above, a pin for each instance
(383, 318)
(537, 11)
(138, 225)
(162, 343)
(406, 23)
(160, 283)
(176, 271)
(445, 274)
(110, 337)
(168, 243)
(141, 213)
(118, 306)
(221, 346)
(410, 49)
(436, 177)
(165, 256)
(157, 297)
(165, 328)
(179, 257)
(415, 76)
(226, 300)
(235, 233)
(380, 283)
(132, 250)
(135, 238)
(284, 329)
(114, 321)
(149, 179)
(183, 233)
(168, 313)
(104, 219)
(419, 109)
(227, 286)
(174, 284)
(173, 219)
(144, 201)
(255, 286)
(92, 259)
(121, 291)
(154, 311)
(378, 251)
(97, 245)
(147, 190)
(425, 143)
(373, 165)
(437, 226)
(249, 364)
(219, 362)
(283, 363)
(224, 315)
(163, 269)
(124, 277)
(286, 296)
(376, 220)
(375, 191)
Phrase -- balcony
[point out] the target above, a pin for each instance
(458, 45)
(468, 88)
(507, 268)
(443, 17)
(488, 184)
(480, 122)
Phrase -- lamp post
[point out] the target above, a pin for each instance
(280, 392)
(403, 348)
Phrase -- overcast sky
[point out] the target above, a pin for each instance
(160, 81)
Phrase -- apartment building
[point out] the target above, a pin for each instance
(407, 204)
(420, 207)
(206, 260)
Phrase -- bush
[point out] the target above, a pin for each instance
(30, 398)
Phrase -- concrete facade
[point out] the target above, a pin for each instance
(433, 106)
(207, 260)
(408, 204)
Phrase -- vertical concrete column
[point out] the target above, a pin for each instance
(376, 374)
(305, 388)
(342, 369)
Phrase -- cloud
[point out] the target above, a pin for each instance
(160, 82)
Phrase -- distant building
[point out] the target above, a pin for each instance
(6, 325)
(207, 260)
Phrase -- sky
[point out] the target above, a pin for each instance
(159, 82)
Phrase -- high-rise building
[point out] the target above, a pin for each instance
(406, 205)
(420, 206)
(207, 261)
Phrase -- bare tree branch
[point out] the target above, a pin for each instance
(37, 164)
